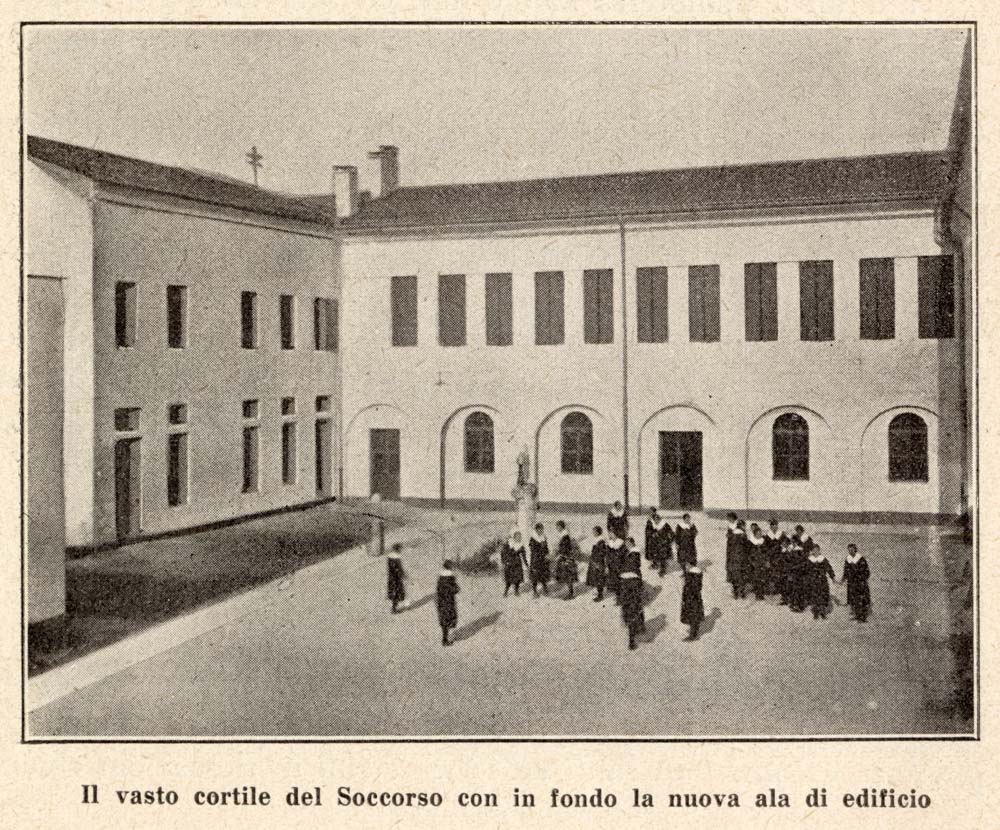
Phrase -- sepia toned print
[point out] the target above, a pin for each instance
(663, 431)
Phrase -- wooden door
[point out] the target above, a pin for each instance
(384, 459)
(323, 467)
(128, 487)
(681, 470)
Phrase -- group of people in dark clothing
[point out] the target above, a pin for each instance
(792, 566)
(764, 564)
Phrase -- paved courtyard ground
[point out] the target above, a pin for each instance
(319, 654)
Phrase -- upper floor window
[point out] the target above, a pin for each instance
(550, 327)
(577, 434)
(404, 311)
(325, 324)
(878, 298)
(125, 314)
(816, 300)
(936, 296)
(177, 316)
(499, 310)
(760, 290)
(248, 320)
(479, 443)
(790, 448)
(703, 303)
(598, 306)
(451, 309)
(287, 321)
(907, 448)
(651, 304)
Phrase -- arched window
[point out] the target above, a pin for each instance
(907, 448)
(479, 443)
(577, 444)
(790, 448)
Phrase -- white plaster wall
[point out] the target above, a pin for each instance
(58, 242)
(847, 381)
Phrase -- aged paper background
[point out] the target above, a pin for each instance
(40, 786)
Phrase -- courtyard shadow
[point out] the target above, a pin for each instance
(471, 629)
(709, 623)
(413, 605)
(649, 593)
(653, 629)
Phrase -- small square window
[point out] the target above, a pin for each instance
(322, 403)
(288, 406)
(177, 413)
(251, 409)
(127, 419)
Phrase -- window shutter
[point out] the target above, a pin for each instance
(606, 319)
(696, 305)
(549, 321)
(404, 311)
(878, 302)
(824, 300)
(659, 304)
(332, 325)
(807, 301)
(451, 309)
(644, 305)
(752, 300)
(710, 300)
(499, 310)
(936, 296)
(591, 307)
(768, 301)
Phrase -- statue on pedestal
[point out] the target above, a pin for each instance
(525, 495)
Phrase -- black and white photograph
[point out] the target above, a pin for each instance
(499, 381)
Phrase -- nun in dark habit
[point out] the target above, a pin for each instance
(597, 567)
(633, 617)
(856, 575)
(539, 562)
(566, 570)
(736, 552)
(820, 572)
(395, 577)
(618, 521)
(659, 541)
(447, 608)
(513, 559)
(614, 554)
(692, 606)
(687, 551)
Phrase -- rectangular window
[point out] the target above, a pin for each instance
(322, 403)
(248, 319)
(550, 326)
(651, 304)
(125, 314)
(499, 310)
(325, 324)
(404, 311)
(127, 419)
(177, 413)
(177, 469)
(288, 406)
(936, 296)
(177, 316)
(287, 314)
(451, 309)
(288, 457)
(760, 287)
(816, 300)
(598, 306)
(251, 449)
(878, 299)
(703, 303)
(251, 409)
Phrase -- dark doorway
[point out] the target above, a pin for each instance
(385, 463)
(128, 487)
(680, 470)
(323, 469)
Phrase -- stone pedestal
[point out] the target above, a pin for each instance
(526, 508)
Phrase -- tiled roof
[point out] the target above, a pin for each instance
(900, 177)
(109, 168)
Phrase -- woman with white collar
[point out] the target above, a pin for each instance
(856, 575)
(514, 560)
(659, 541)
(774, 541)
(757, 561)
(447, 608)
(687, 551)
(692, 605)
(820, 572)
(736, 552)
(631, 602)
(618, 521)
(538, 567)
(614, 555)
(566, 570)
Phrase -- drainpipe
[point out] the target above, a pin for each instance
(625, 493)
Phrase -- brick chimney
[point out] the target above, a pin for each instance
(345, 189)
(388, 156)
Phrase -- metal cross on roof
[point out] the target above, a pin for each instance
(254, 159)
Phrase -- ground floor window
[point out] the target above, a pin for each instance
(907, 448)
(479, 443)
(790, 448)
(577, 434)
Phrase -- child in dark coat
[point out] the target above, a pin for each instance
(513, 559)
(633, 616)
(566, 571)
(758, 561)
(632, 557)
(687, 551)
(615, 555)
(447, 608)
(736, 552)
(539, 563)
(692, 606)
(597, 567)
(856, 575)
(395, 577)
(774, 540)
(659, 541)
(819, 573)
